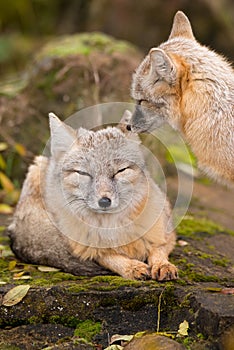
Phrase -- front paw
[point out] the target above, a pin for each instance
(164, 272)
(137, 270)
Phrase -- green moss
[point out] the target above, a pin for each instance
(68, 321)
(87, 329)
(34, 319)
(221, 262)
(190, 226)
(84, 44)
(198, 277)
(102, 283)
(8, 347)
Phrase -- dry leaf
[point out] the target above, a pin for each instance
(24, 277)
(182, 243)
(20, 149)
(114, 347)
(5, 209)
(12, 265)
(183, 329)
(3, 146)
(122, 338)
(6, 182)
(2, 163)
(15, 295)
(47, 269)
(227, 291)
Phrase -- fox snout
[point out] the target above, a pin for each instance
(104, 202)
(105, 195)
(138, 120)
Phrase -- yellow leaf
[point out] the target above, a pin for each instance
(6, 182)
(15, 295)
(24, 277)
(12, 197)
(183, 328)
(20, 149)
(47, 269)
(2, 163)
(11, 265)
(5, 209)
(18, 274)
(3, 146)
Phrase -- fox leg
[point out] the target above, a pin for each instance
(125, 267)
(161, 268)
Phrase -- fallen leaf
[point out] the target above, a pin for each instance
(2, 163)
(47, 269)
(227, 291)
(182, 243)
(183, 329)
(12, 265)
(114, 347)
(3, 146)
(122, 338)
(6, 182)
(24, 277)
(5, 209)
(20, 149)
(15, 295)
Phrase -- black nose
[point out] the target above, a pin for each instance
(104, 202)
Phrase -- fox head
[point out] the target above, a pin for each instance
(99, 171)
(160, 80)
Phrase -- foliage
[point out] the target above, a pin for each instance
(9, 187)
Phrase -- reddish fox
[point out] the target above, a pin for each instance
(192, 88)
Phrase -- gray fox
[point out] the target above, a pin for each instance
(91, 207)
(192, 88)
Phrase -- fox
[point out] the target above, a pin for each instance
(190, 87)
(91, 207)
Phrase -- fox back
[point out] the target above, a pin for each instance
(192, 88)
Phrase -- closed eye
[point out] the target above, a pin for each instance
(83, 173)
(121, 170)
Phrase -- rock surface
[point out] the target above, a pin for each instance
(60, 304)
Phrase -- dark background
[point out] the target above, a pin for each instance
(26, 24)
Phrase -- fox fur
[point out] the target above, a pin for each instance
(192, 88)
(91, 207)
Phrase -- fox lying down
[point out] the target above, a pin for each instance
(91, 207)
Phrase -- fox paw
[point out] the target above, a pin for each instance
(137, 270)
(164, 272)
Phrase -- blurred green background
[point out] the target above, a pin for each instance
(26, 24)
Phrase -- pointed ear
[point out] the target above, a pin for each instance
(162, 65)
(62, 136)
(125, 126)
(181, 27)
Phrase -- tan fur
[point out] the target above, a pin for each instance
(58, 220)
(192, 88)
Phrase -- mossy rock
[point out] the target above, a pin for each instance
(104, 305)
(68, 74)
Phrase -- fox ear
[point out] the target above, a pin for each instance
(181, 27)
(124, 123)
(125, 126)
(62, 136)
(162, 65)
